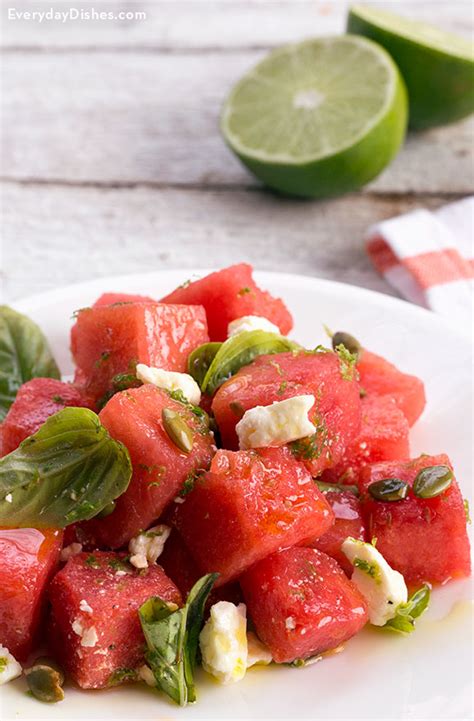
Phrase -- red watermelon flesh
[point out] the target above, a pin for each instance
(160, 468)
(384, 436)
(180, 566)
(28, 558)
(348, 522)
(114, 298)
(336, 412)
(302, 603)
(229, 294)
(379, 377)
(110, 340)
(250, 504)
(35, 402)
(96, 629)
(424, 539)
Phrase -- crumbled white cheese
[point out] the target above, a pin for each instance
(9, 498)
(146, 547)
(223, 642)
(170, 381)
(382, 587)
(276, 424)
(69, 551)
(9, 666)
(88, 636)
(84, 606)
(257, 653)
(146, 674)
(249, 323)
(290, 623)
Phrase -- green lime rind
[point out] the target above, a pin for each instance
(354, 129)
(438, 67)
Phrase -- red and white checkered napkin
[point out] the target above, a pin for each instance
(428, 257)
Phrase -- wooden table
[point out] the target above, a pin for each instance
(113, 161)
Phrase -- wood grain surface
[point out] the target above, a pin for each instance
(112, 160)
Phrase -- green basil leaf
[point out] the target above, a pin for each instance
(68, 471)
(24, 354)
(404, 621)
(172, 637)
(200, 360)
(240, 350)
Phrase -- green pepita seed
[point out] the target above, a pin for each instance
(432, 481)
(389, 489)
(347, 340)
(45, 682)
(178, 430)
(337, 487)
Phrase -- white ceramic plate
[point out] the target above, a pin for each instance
(378, 676)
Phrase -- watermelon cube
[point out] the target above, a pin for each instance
(229, 294)
(114, 298)
(35, 402)
(107, 341)
(302, 604)
(28, 559)
(336, 412)
(384, 436)
(96, 633)
(347, 522)
(380, 378)
(181, 567)
(160, 468)
(423, 538)
(250, 504)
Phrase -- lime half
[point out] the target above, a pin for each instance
(438, 67)
(318, 118)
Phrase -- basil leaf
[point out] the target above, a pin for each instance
(24, 354)
(68, 471)
(200, 360)
(172, 637)
(404, 621)
(240, 350)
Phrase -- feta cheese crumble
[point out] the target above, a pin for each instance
(88, 636)
(72, 550)
(146, 674)
(170, 381)
(257, 653)
(382, 587)
(9, 666)
(9, 498)
(223, 642)
(276, 424)
(146, 547)
(84, 606)
(249, 323)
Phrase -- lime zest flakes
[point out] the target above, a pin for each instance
(347, 363)
(371, 569)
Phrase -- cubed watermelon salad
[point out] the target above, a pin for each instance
(208, 491)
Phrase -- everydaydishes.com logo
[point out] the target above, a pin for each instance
(73, 14)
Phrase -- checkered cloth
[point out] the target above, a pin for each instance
(428, 257)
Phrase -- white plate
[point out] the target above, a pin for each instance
(378, 676)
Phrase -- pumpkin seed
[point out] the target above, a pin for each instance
(178, 430)
(432, 481)
(45, 682)
(337, 487)
(389, 489)
(347, 340)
